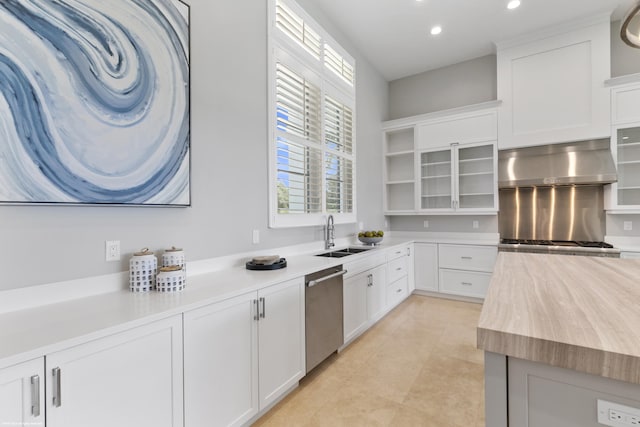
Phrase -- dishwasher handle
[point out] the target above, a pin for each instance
(311, 283)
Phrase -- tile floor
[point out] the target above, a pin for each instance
(418, 366)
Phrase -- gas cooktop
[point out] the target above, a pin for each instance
(565, 247)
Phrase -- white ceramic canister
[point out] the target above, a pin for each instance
(142, 271)
(174, 256)
(171, 279)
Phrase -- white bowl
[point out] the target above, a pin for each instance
(370, 240)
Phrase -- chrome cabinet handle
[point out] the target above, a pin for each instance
(466, 284)
(35, 395)
(264, 306)
(56, 391)
(255, 302)
(369, 280)
(322, 279)
(399, 268)
(466, 257)
(399, 290)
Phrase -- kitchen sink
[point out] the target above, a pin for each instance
(343, 252)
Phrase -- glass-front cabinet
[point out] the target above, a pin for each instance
(459, 178)
(626, 149)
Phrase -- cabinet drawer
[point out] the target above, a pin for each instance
(467, 257)
(466, 283)
(397, 269)
(367, 263)
(397, 252)
(397, 291)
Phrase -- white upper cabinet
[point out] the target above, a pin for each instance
(442, 162)
(551, 85)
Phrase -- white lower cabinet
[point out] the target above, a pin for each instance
(364, 300)
(426, 266)
(465, 270)
(397, 291)
(242, 354)
(22, 394)
(133, 378)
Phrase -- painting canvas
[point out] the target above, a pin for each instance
(94, 102)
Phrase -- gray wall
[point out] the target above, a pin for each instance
(624, 59)
(466, 83)
(228, 168)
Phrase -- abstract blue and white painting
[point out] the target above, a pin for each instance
(94, 102)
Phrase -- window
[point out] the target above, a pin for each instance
(311, 121)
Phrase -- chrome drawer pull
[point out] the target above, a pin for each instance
(467, 284)
(35, 395)
(264, 308)
(466, 257)
(257, 315)
(57, 393)
(399, 268)
(399, 290)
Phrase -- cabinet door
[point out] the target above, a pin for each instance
(281, 339)
(476, 177)
(354, 293)
(626, 191)
(426, 266)
(133, 378)
(221, 363)
(22, 394)
(377, 293)
(436, 180)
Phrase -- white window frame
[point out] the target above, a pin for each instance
(284, 49)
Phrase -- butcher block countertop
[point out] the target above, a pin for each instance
(574, 312)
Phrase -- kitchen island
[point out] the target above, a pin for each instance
(559, 333)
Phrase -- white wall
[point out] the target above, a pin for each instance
(228, 168)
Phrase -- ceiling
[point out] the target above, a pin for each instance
(394, 34)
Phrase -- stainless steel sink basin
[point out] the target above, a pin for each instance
(343, 252)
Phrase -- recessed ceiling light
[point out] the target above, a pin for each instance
(436, 30)
(513, 4)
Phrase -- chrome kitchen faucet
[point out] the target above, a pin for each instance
(330, 233)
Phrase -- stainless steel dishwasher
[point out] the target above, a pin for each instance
(323, 314)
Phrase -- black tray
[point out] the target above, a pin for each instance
(275, 266)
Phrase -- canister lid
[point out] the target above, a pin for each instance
(170, 268)
(173, 249)
(143, 252)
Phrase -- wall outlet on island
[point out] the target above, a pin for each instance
(616, 415)
(627, 225)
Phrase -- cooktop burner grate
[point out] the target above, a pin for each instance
(571, 243)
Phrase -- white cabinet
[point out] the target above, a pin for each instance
(459, 178)
(364, 295)
(133, 378)
(399, 174)
(552, 85)
(22, 394)
(624, 195)
(243, 353)
(442, 162)
(465, 270)
(281, 339)
(426, 266)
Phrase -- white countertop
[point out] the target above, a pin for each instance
(31, 332)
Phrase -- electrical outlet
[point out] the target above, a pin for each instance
(627, 225)
(256, 237)
(112, 250)
(360, 226)
(476, 224)
(426, 224)
(616, 415)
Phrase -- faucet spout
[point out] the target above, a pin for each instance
(330, 233)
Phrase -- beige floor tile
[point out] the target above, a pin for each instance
(418, 366)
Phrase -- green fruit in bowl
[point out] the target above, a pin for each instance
(380, 233)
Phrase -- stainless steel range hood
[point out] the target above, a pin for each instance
(583, 162)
